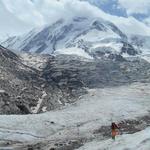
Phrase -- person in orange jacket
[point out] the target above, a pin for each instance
(114, 130)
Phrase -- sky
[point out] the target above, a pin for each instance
(20, 16)
(140, 9)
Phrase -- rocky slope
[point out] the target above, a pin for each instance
(99, 73)
(26, 88)
(23, 90)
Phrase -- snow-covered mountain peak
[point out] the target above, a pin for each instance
(94, 37)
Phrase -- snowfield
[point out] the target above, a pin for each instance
(97, 108)
(137, 141)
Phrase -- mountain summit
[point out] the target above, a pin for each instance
(86, 37)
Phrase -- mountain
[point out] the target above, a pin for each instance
(86, 37)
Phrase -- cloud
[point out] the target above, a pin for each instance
(53, 10)
(25, 11)
(19, 16)
(135, 6)
(27, 14)
(40, 12)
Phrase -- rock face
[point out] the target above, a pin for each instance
(23, 90)
(94, 38)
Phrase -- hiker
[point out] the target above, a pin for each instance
(114, 130)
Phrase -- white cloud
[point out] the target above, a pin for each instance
(18, 16)
(136, 6)
(25, 11)
(47, 11)
(52, 10)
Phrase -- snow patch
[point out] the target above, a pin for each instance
(2, 91)
(73, 51)
(36, 109)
